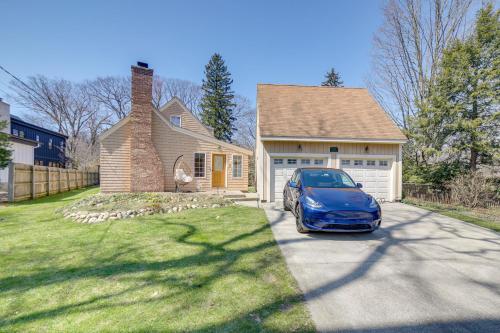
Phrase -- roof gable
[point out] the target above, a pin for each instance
(322, 112)
(175, 107)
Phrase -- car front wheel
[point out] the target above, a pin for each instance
(298, 220)
(285, 200)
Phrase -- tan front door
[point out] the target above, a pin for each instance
(218, 170)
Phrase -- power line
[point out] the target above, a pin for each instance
(22, 82)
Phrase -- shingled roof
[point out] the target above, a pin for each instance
(322, 112)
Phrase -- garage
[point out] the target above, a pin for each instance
(283, 168)
(373, 174)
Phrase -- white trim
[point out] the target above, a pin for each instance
(299, 155)
(113, 128)
(203, 137)
(204, 166)
(232, 166)
(392, 173)
(313, 139)
(180, 119)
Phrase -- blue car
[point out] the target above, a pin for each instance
(329, 200)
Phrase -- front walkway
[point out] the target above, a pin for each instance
(421, 272)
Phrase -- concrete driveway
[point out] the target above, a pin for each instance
(421, 272)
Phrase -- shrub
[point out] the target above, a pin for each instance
(470, 189)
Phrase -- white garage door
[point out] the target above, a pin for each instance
(373, 174)
(283, 169)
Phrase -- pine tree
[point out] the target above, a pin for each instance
(463, 106)
(5, 152)
(217, 103)
(333, 79)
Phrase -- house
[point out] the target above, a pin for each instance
(22, 148)
(138, 153)
(50, 150)
(309, 126)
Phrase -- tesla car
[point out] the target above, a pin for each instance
(325, 199)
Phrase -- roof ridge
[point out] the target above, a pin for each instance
(307, 86)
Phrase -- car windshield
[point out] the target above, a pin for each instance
(326, 178)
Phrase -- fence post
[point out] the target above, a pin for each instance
(48, 181)
(59, 182)
(33, 182)
(11, 182)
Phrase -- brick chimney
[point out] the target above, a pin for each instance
(147, 174)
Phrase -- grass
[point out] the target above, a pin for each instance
(204, 270)
(485, 218)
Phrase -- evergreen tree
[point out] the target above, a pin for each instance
(333, 79)
(217, 103)
(461, 117)
(5, 152)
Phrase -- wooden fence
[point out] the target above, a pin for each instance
(34, 181)
(426, 192)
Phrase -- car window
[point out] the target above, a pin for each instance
(326, 178)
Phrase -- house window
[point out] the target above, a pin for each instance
(346, 162)
(176, 120)
(199, 164)
(358, 162)
(50, 143)
(21, 134)
(278, 161)
(292, 161)
(305, 161)
(383, 163)
(37, 138)
(370, 163)
(318, 162)
(237, 165)
(15, 132)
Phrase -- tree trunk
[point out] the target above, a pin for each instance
(473, 159)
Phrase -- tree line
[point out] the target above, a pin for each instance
(83, 110)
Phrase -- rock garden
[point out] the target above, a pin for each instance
(103, 207)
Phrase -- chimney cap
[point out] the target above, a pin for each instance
(142, 64)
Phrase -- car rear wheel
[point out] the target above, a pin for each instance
(298, 220)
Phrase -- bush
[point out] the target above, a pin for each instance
(471, 189)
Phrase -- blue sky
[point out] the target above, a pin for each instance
(292, 42)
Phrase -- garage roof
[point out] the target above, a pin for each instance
(322, 112)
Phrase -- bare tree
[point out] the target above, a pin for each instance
(407, 51)
(245, 123)
(188, 92)
(112, 93)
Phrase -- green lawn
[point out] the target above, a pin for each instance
(487, 218)
(206, 270)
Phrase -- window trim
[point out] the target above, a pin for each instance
(358, 163)
(345, 160)
(305, 159)
(319, 160)
(291, 159)
(241, 165)
(204, 165)
(279, 159)
(180, 119)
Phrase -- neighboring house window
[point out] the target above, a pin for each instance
(346, 162)
(21, 134)
(358, 162)
(382, 163)
(305, 162)
(318, 162)
(278, 161)
(370, 163)
(37, 138)
(292, 161)
(199, 164)
(50, 143)
(15, 132)
(176, 120)
(237, 165)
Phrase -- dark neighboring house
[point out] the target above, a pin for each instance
(51, 145)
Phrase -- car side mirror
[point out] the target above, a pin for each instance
(292, 184)
(359, 185)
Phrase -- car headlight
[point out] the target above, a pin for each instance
(313, 203)
(373, 203)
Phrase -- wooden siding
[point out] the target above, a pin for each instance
(289, 147)
(115, 161)
(188, 120)
(171, 144)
